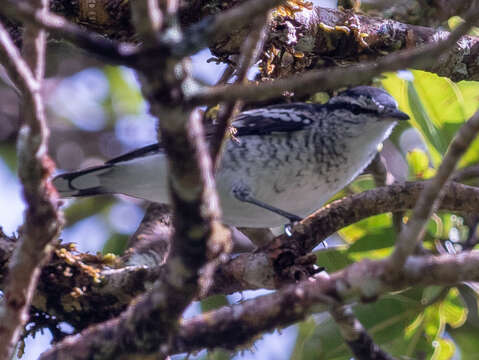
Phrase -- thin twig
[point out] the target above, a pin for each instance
(42, 220)
(249, 54)
(430, 199)
(353, 332)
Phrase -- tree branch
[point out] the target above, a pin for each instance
(42, 220)
(270, 267)
(248, 56)
(114, 289)
(356, 336)
(232, 326)
(332, 78)
(303, 38)
(117, 53)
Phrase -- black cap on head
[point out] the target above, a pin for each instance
(380, 96)
(372, 99)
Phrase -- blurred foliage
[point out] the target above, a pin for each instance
(116, 244)
(124, 96)
(8, 154)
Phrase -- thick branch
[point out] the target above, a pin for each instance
(270, 266)
(332, 78)
(116, 53)
(196, 37)
(431, 13)
(292, 36)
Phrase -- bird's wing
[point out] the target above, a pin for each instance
(275, 118)
(267, 120)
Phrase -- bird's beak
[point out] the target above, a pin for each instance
(395, 114)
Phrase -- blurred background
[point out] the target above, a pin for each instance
(96, 112)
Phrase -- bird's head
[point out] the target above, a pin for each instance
(369, 100)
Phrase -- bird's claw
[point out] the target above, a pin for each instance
(288, 228)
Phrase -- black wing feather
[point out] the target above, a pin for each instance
(275, 118)
(271, 119)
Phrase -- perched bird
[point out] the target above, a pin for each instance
(286, 161)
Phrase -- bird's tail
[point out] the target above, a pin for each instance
(82, 183)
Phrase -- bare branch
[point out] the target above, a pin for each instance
(261, 269)
(249, 54)
(431, 13)
(42, 220)
(413, 232)
(467, 173)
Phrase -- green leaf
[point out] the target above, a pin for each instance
(370, 238)
(444, 349)
(437, 107)
(437, 144)
(305, 331)
(125, 98)
(116, 244)
(213, 302)
(333, 259)
(385, 320)
(465, 339)
(419, 165)
(452, 310)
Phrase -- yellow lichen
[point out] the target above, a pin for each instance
(110, 259)
(325, 27)
(292, 7)
(342, 28)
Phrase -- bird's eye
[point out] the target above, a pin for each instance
(356, 110)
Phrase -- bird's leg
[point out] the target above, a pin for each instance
(244, 194)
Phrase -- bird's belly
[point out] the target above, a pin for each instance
(297, 190)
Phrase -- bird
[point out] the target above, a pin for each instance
(284, 163)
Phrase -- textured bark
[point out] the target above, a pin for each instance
(232, 326)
